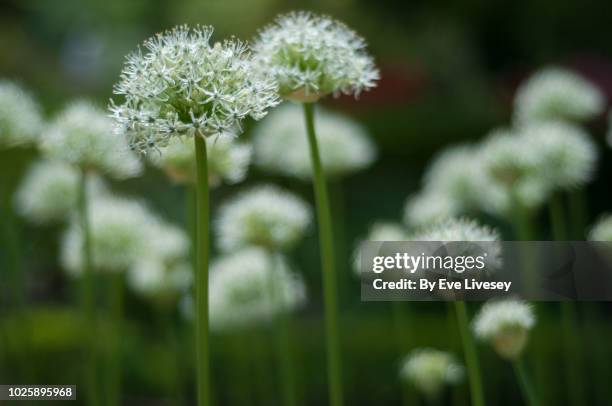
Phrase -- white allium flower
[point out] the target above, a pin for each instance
(557, 94)
(505, 324)
(429, 370)
(428, 207)
(281, 146)
(250, 287)
(151, 277)
(183, 85)
(228, 161)
(509, 167)
(82, 135)
(379, 231)
(610, 128)
(602, 230)
(312, 56)
(20, 116)
(264, 216)
(49, 191)
(565, 156)
(119, 230)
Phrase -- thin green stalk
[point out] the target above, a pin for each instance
(524, 232)
(15, 288)
(401, 324)
(525, 383)
(202, 247)
(578, 213)
(167, 330)
(469, 351)
(557, 218)
(327, 264)
(574, 368)
(87, 295)
(114, 350)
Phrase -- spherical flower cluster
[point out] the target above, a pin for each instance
(20, 116)
(427, 207)
(557, 94)
(228, 161)
(263, 216)
(119, 230)
(379, 231)
(564, 155)
(312, 56)
(282, 147)
(49, 192)
(250, 287)
(183, 85)
(429, 370)
(82, 135)
(602, 230)
(505, 323)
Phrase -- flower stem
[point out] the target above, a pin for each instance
(557, 220)
(15, 289)
(469, 351)
(327, 264)
(574, 368)
(401, 322)
(525, 383)
(201, 272)
(87, 294)
(114, 350)
(578, 212)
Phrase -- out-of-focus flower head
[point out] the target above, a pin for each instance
(180, 84)
(427, 207)
(228, 160)
(312, 56)
(602, 230)
(429, 370)
(250, 287)
(610, 128)
(120, 237)
(20, 116)
(557, 94)
(505, 324)
(282, 147)
(264, 216)
(49, 191)
(379, 231)
(565, 156)
(82, 135)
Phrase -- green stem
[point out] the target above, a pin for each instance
(401, 324)
(469, 351)
(327, 264)
(574, 368)
(87, 299)
(578, 212)
(557, 219)
(202, 247)
(167, 330)
(525, 383)
(15, 289)
(114, 353)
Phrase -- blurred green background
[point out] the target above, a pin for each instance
(449, 71)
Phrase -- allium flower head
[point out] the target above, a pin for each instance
(264, 216)
(565, 156)
(49, 191)
(505, 323)
(180, 84)
(429, 370)
(379, 231)
(20, 116)
(82, 135)
(428, 207)
(312, 56)
(250, 287)
(228, 161)
(119, 236)
(557, 94)
(281, 146)
(602, 230)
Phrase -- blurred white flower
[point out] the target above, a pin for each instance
(153, 278)
(20, 116)
(264, 216)
(565, 156)
(82, 136)
(49, 191)
(379, 231)
(428, 207)
(119, 230)
(429, 370)
(282, 147)
(602, 229)
(505, 324)
(228, 161)
(557, 94)
(183, 85)
(250, 287)
(312, 56)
